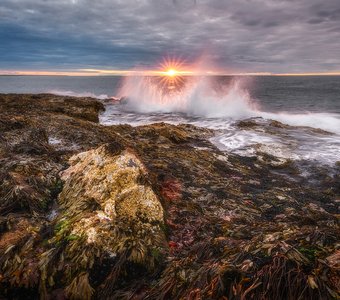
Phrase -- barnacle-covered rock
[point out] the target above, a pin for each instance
(106, 199)
(108, 210)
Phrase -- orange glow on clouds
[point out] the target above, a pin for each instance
(170, 68)
(309, 74)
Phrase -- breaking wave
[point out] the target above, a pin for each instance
(194, 97)
(325, 121)
(207, 98)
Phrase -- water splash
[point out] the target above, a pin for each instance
(194, 96)
(210, 97)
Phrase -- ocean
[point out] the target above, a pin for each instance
(306, 103)
(275, 93)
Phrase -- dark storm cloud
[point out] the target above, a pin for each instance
(250, 35)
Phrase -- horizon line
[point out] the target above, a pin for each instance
(99, 72)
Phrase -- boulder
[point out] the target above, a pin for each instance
(108, 211)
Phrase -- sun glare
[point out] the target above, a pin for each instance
(171, 72)
(171, 75)
(171, 67)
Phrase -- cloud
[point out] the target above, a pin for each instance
(250, 35)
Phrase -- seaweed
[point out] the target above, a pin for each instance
(147, 213)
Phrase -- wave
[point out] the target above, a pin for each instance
(196, 97)
(202, 97)
(325, 121)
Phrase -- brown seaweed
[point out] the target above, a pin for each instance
(155, 212)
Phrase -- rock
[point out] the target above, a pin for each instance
(108, 213)
(248, 124)
(82, 108)
(116, 184)
(155, 211)
(108, 209)
(273, 154)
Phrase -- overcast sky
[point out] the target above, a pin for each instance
(247, 35)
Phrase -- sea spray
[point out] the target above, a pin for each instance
(194, 96)
(227, 101)
(210, 97)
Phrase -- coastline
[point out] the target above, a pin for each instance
(161, 213)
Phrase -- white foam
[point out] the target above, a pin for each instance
(200, 98)
(326, 121)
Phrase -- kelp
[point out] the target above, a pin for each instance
(80, 288)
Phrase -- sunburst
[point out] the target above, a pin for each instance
(171, 75)
(172, 66)
(171, 72)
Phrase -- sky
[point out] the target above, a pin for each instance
(100, 36)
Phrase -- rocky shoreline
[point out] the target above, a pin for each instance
(154, 212)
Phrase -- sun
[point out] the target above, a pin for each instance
(171, 67)
(171, 72)
(171, 75)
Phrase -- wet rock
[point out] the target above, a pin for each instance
(251, 123)
(275, 127)
(334, 260)
(155, 212)
(83, 108)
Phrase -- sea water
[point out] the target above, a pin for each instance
(306, 103)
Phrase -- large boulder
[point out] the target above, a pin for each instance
(108, 210)
(109, 221)
(103, 189)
